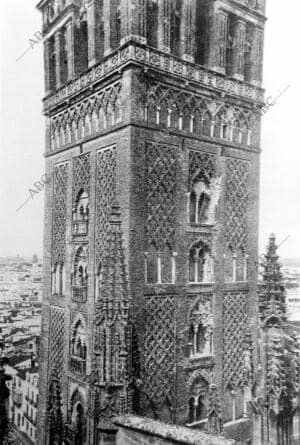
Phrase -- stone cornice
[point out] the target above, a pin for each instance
(151, 58)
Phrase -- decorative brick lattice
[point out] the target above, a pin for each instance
(161, 175)
(159, 373)
(56, 342)
(81, 175)
(106, 195)
(201, 115)
(100, 111)
(201, 166)
(237, 203)
(235, 329)
(59, 213)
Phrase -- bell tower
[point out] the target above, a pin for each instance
(152, 112)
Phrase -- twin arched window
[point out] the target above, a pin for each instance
(80, 275)
(78, 342)
(81, 214)
(198, 339)
(200, 206)
(197, 408)
(160, 266)
(235, 265)
(200, 264)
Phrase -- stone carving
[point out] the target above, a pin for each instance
(186, 111)
(112, 328)
(235, 328)
(165, 62)
(237, 204)
(158, 370)
(76, 428)
(55, 422)
(161, 174)
(56, 342)
(200, 314)
(59, 213)
(201, 166)
(215, 424)
(81, 176)
(105, 196)
(78, 345)
(204, 187)
(87, 117)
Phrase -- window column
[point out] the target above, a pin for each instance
(47, 63)
(256, 57)
(187, 30)
(95, 44)
(70, 50)
(133, 20)
(238, 54)
(218, 32)
(58, 58)
(164, 25)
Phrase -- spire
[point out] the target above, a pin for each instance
(272, 307)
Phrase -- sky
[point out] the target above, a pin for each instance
(22, 129)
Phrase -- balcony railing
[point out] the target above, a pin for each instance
(17, 396)
(80, 227)
(77, 365)
(79, 294)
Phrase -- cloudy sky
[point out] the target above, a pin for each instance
(22, 129)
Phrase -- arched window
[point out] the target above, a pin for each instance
(78, 346)
(76, 429)
(200, 202)
(79, 425)
(200, 264)
(218, 127)
(81, 210)
(198, 408)
(80, 276)
(207, 124)
(198, 339)
(160, 267)
(201, 408)
(192, 413)
(150, 113)
(81, 214)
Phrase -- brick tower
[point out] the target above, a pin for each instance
(151, 218)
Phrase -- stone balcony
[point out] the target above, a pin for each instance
(77, 365)
(151, 58)
(79, 294)
(80, 227)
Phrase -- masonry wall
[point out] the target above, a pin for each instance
(141, 431)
